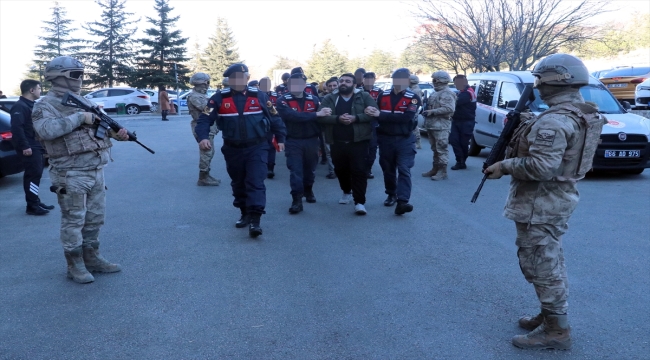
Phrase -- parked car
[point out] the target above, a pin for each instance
(602, 73)
(642, 95)
(9, 162)
(182, 103)
(7, 103)
(153, 96)
(624, 140)
(623, 82)
(135, 100)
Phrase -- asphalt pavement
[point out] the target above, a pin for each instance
(442, 282)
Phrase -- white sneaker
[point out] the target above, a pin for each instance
(359, 209)
(345, 199)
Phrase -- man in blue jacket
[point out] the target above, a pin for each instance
(245, 116)
(299, 111)
(463, 121)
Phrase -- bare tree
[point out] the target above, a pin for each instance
(487, 35)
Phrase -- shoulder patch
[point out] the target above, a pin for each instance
(545, 137)
(225, 91)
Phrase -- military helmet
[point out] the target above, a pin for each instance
(441, 77)
(414, 79)
(200, 78)
(65, 66)
(562, 70)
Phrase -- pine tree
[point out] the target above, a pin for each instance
(416, 57)
(194, 64)
(221, 51)
(325, 63)
(381, 62)
(282, 63)
(112, 55)
(163, 48)
(57, 41)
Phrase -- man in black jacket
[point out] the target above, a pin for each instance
(462, 124)
(29, 150)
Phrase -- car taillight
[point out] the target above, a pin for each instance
(143, 96)
(6, 135)
(637, 80)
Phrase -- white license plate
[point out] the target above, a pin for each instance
(616, 85)
(622, 153)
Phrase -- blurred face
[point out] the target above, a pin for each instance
(238, 81)
(400, 84)
(331, 86)
(460, 83)
(202, 88)
(296, 86)
(346, 85)
(265, 84)
(368, 83)
(358, 77)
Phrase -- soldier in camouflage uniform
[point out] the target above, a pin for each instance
(548, 155)
(439, 110)
(414, 86)
(77, 160)
(197, 100)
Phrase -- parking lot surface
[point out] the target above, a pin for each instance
(442, 282)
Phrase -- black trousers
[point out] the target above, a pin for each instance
(32, 175)
(164, 114)
(461, 133)
(350, 167)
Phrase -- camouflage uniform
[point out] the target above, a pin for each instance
(543, 193)
(438, 125)
(196, 103)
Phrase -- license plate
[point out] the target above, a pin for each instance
(616, 85)
(622, 153)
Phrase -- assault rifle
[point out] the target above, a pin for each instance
(513, 119)
(103, 121)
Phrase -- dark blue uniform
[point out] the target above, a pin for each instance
(299, 115)
(396, 141)
(244, 119)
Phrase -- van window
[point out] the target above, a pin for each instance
(473, 84)
(598, 94)
(486, 92)
(509, 91)
(119, 92)
(631, 71)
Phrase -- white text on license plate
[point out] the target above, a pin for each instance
(616, 85)
(622, 153)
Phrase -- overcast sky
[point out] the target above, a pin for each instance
(263, 29)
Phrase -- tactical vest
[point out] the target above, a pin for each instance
(590, 123)
(245, 125)
(80, 140)
(301, 130)
(374, 93)
(401, 107)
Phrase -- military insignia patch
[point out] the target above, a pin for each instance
(545, 137)
(227, 105)
(414, 101)
(207, 110)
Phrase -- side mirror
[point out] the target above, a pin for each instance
(512, 104)
(89, 96)
(626, 105)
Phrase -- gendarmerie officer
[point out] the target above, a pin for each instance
(265, 86)
(298, 110)
(309, 88)
(282, 88)
(396, 117)
(370, 88)
(245, 116)
(29, 150)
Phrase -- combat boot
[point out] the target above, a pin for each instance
(432, 172)
(270, 174)
(206, 180)
(309, 194)
(95, 262)
(553, 333)
(531, 323)
(459, 166)
(403, 207)
(296, 204)
(244, 220)
(254, 229)
(441, 173)
(76, 269)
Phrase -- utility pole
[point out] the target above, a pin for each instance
(176, 89)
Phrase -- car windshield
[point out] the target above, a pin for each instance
(425, 86)
(595, 93)
(631, 71)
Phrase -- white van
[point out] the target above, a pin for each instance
(624, 141)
